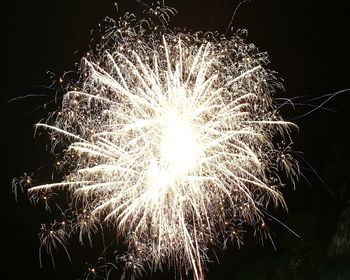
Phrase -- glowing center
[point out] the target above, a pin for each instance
(179, 149)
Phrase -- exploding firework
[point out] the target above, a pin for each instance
(172, 140)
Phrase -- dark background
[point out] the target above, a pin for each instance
(308, 43)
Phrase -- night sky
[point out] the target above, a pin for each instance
(308, 43)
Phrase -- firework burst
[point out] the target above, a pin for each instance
(172, 140)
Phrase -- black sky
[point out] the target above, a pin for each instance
(308, 43)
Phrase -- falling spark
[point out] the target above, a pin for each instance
(173, 140)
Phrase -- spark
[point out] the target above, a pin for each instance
(173, 140)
